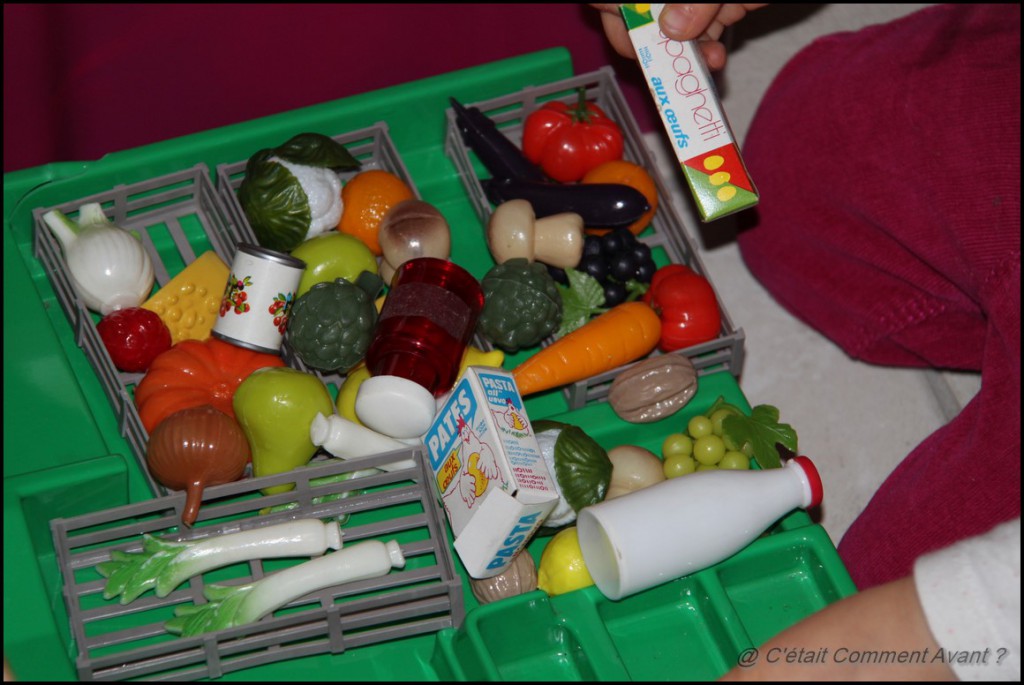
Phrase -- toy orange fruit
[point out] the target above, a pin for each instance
(630, 174)
(366, 198)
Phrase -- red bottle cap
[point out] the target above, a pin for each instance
(813, 479)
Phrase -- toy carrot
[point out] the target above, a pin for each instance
(621, 335)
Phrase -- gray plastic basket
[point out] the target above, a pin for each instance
(175, 216)
(372, 146)
(115, 642)
(668, 233)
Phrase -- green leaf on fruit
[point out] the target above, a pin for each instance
(317, 150)
(759, 433)
(636, 289)
(581, 299)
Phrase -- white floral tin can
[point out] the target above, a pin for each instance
(258, 298)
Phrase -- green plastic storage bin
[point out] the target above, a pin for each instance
(67, 456)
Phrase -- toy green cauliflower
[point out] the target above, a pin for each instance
(292, 192)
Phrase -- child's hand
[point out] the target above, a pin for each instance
(704, 23)
(881, 620)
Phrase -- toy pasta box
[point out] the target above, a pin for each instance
(692, 114)
(494, 484)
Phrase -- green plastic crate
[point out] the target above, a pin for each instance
(65, 455)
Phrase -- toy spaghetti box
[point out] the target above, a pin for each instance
(692, 114)
(488, 468)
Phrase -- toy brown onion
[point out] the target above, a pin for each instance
(195, 448)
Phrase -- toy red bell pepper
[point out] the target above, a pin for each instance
(567, 141)
(686, 305)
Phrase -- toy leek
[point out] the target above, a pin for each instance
(235, 606)
(342, 519)
(164, 565)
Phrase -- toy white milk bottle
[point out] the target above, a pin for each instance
(685, 524)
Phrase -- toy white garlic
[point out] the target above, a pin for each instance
(108, 267)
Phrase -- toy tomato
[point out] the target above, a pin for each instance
(567, 141)
(686, 305)
(134, 337)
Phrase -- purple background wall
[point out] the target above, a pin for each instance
(81, 81)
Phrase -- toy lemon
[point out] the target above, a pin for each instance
(562, 568)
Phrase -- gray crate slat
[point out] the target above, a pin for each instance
(509, 112)
(370, 610)
(275, 632)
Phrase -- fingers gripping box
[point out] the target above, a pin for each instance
(488, 468)
(690, 110)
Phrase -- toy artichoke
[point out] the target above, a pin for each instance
(332, 324)
(522, 305)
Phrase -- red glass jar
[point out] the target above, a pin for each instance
(428, 319)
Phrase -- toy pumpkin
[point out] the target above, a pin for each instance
(193, 373)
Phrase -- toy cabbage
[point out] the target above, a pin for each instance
(292, 192)
(581, 468)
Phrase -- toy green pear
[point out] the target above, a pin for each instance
(275, 407)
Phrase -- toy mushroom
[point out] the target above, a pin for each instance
(515, 231)
(412, 228)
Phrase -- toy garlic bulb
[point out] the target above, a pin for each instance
(108, 267)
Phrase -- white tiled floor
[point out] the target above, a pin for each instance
(855, 420)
